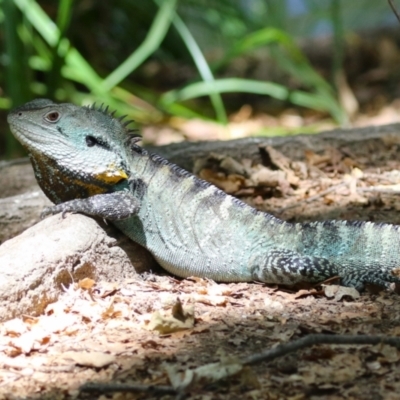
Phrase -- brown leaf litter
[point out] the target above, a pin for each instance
(191, 334)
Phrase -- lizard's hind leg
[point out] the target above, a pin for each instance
(289, 267)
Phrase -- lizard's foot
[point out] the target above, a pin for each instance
(52, 211)
(112, 206)
(360, 276)
(288, 267)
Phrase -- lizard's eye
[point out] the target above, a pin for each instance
(52, 116)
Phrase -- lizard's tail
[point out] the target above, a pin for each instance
(357, 252)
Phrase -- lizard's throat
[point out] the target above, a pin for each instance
(60, 184)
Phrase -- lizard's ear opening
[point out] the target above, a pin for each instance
(90, 141)
(94, 141)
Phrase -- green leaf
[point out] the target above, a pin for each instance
(157, 32)
(225, 86)
(202, 67)
(289, 57)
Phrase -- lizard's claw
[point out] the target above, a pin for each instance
(46, 212)
(51, 211)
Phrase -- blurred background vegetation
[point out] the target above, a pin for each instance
(168, 61)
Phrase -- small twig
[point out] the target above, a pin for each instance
(394, 9)
(382, 190)
(180, 395)
(314, 339)
(386, 177)
(313, 198)
(265, 356)
(41, 368)
(127, 388)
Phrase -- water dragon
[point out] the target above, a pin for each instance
(88, 161)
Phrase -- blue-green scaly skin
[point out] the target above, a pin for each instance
(85, 160)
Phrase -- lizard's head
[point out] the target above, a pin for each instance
(75, 151)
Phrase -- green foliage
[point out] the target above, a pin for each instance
(45, 57)
(156, 34)
(292, 60)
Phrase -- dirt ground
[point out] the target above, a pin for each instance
(158, 330)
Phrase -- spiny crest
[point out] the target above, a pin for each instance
(131, 132)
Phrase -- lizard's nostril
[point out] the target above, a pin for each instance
(19, 114)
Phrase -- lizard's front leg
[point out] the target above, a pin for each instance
(112, 206)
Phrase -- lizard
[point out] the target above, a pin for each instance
(88, 161)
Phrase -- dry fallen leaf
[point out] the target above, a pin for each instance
(14, 327)
(266, 177)
(396, 272)
(177, 319)
(25, 343)
(338, 292)
(86, 283)
(283, 163)
(229, 184)
(211, 300)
